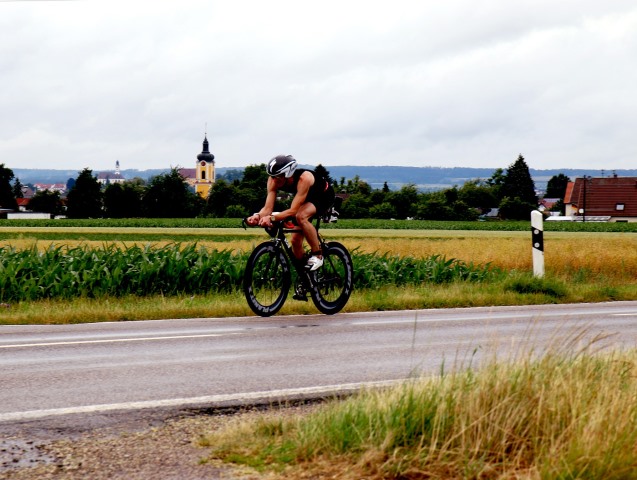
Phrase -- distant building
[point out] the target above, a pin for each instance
(111, 177)
(23, 203)
(189, 175)
(611, 199)
(51, 187)
(202, 177)
(547, 204)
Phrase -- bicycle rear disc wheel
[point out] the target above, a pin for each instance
(333, 281)
(267, 279)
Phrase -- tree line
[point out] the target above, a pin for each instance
(239, 193)
(510, 190)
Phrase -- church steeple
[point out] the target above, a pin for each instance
(205, 154)
(205, 171)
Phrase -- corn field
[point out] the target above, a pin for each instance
(60, 272)
(372, 270)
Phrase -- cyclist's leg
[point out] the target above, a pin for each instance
(296, 240)
(304, 219)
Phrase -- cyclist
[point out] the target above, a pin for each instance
(313, 195)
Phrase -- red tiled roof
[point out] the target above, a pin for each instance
(549, 202)
(188, 172)
(603, 195)
(569, 192)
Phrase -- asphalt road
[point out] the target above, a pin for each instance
(51, 371)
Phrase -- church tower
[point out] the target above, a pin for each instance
(205, 170)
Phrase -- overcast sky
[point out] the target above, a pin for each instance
(348, 82)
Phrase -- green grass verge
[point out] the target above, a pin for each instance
(503, 291)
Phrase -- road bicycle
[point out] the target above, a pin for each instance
(272, 269)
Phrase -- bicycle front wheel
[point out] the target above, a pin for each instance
(267, 279)
(333, 281)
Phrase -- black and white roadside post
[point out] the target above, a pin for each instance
(537, 238)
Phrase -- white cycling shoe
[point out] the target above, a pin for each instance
(313, 263)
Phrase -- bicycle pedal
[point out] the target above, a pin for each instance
(302, 298)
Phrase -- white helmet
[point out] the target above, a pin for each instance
(282, 165)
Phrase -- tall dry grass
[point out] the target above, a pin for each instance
(559, 415)
(563, 254)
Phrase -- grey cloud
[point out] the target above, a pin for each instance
(407, 82)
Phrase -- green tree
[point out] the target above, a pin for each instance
(518, 183)
(322, 171)
(434, 207)
(556, 186)
(236, 211)
(7, 195)
(231, 175)
(356, 185)
(495, 182)
(558, 207)
(255, 177)
(445, 205)
(250, 192)
(169, 196)
(356, 205)
(123, 200)
(477, 194)
(253, 188)
(404, 201)
(84, 200)
(377, 197)
(516, 209)
(462, 211)
(339, 187)
(383, 210)
(46, 201)
(220, 197)
(17, 189)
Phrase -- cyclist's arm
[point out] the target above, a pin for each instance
(270, 199)
(262, 215)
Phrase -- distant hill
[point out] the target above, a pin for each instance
(425, 178)
(435, 178)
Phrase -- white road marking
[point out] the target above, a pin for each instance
(115, 340)
(209, 400)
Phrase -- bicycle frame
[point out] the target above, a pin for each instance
(268, 273)
(279, 233)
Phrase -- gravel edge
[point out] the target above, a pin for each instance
(167, 450)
